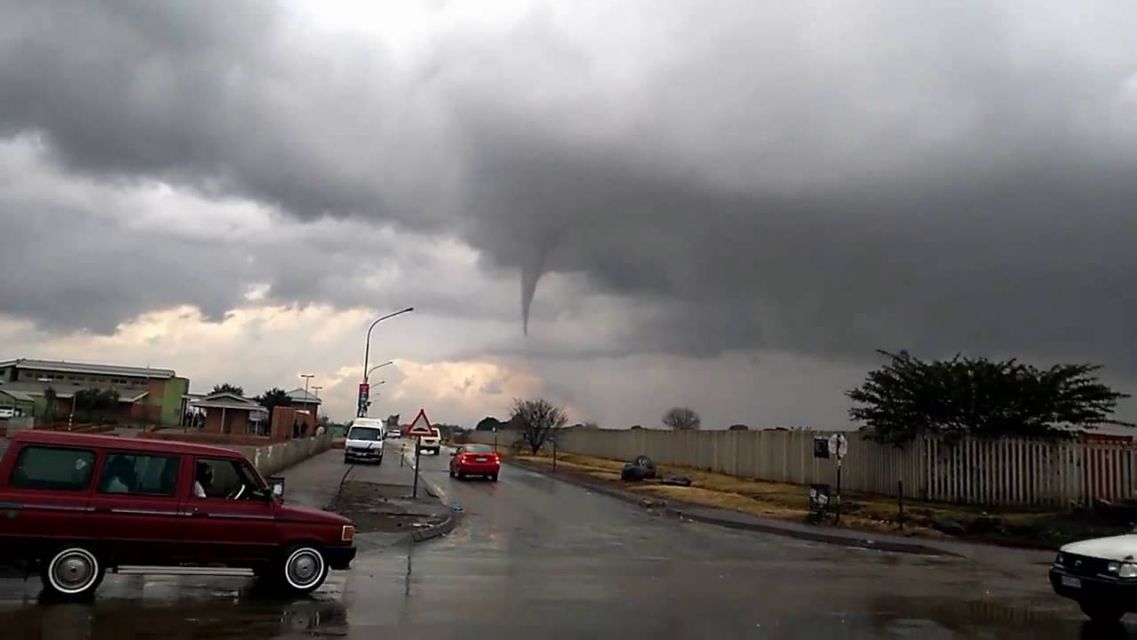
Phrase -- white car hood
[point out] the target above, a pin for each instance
(1117, 548)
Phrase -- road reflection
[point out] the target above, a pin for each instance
(250, 615)
(903, 616)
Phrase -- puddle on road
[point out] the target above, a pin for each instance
(902, 616)
(121, 619)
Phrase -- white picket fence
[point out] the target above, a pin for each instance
(1004, 472)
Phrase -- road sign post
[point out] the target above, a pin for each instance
(420, 427)
(418, 453)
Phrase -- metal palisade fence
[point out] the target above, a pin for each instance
(975, 471)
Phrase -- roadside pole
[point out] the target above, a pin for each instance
(838, 446)
(837, 517)
(900, 503)
(418, 452)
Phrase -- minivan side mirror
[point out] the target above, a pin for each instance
(276, 487)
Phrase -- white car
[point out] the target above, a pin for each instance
(1100, 574)
(364, 441)
(7, 412)
(394, 433)
(431, 443)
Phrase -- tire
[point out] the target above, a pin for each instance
(493, 478)
(1101, 612)
(461, 476)
(451, 473)
(73, 572)
(302, 569)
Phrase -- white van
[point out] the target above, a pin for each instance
(365, 441)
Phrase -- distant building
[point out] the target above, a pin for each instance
(230, 414)
(145, 395)
(302, 400)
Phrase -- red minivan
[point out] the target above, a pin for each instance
(76, 506)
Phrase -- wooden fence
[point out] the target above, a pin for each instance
(1005, 472)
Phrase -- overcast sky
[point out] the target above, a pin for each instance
(725, 205)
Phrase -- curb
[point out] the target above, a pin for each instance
(435, 531)
(819, 535)
(436, 492)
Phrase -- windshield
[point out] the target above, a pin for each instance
(364, 433)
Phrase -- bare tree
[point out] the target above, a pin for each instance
(538, 420)
(682, 419)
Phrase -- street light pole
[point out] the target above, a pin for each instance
(367, 344)
(378, 366)
(363, 387)
(307, 378)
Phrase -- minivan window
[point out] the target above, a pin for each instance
(53, 468)
(225, 479)
(139, 474)
(365, 433)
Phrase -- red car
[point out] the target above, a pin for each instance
(76, 506)
(475, 460)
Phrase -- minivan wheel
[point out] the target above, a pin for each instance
(1101, 612)
(72, 573)
(304, 569)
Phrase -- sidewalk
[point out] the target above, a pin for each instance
(376, 497)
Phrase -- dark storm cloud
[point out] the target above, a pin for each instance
(67, 270)
(932, 176)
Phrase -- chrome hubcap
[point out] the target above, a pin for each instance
(73, 571)
(304, 568)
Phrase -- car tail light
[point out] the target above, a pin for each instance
(348, 533)
(496, 458)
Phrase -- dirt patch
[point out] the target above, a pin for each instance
(385, 508)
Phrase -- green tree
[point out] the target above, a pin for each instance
(228, 388)
(682, 419)
(50, 398)
(489, 423)
(908, 397)
(273, 398)
(92, 405)
(538, 421)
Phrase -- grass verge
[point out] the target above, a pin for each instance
(1036, 529)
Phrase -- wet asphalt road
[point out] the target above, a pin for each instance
(534, 557)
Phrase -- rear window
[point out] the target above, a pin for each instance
(364, 433)
(53, 468)
(478, 448)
